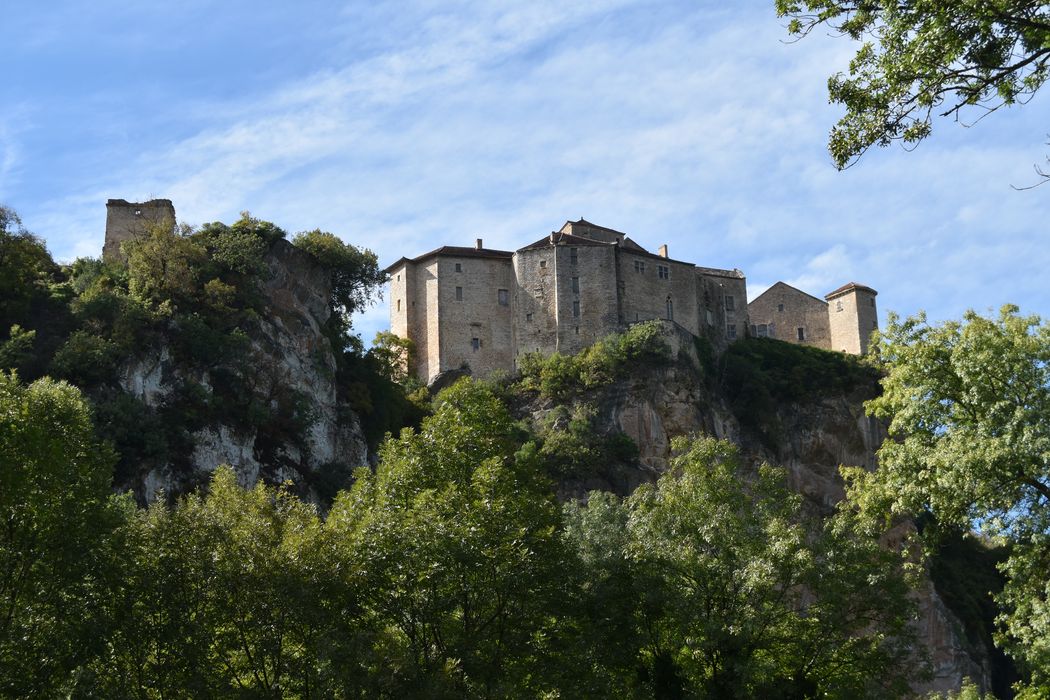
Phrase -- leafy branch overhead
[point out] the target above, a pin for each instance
(920, 59)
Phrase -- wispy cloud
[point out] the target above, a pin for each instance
(687, 123)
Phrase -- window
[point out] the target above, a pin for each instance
(763, 331)
(670, 309)
(475, 343)
(503, 296)
(573, 256)
(399, 278)
(398, 304)
(543, 263)
(528, 317)
(459, 293)
(459, 267)
(838, 306)
(639, 266)
(730, 303)
(576, 309)
(575, 285)
(731, 331)
(663, 272)
(780, 308)
(577, 330)
(710, 317)
(801, 332)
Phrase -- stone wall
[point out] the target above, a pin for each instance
(535, 301)
(475, 319)
(126, 220)
(783, 310)
(852, 317)
(588, 307)
(721, 300)
(646, 292)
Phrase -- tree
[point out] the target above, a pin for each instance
(55, 521)
(924, 58)
(459, 539)
(968, 405)
(741, 602)
(355, 271)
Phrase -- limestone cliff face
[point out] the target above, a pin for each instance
(288, 355)
(811, 440)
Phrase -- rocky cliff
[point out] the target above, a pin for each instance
(288, 366)
(810, 438)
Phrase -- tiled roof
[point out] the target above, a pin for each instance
(563, 238)
(456, 252)
(584, 222)
(849, 288)
(794, 289)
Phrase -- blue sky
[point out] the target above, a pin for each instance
(404, 126)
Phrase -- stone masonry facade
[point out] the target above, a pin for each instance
(126, 220)
(843, 320)
(482, 309)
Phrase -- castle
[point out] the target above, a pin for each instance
(126, 220)
(483, 309)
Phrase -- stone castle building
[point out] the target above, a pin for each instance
(842, 320)
(482, 309)
(126, 220)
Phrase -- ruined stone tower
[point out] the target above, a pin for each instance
(126, 220)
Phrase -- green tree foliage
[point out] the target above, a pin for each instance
(229, 594)
(34, 299)
(55, 518)
(736, 593)
(393, 354)
(356, 276)
(921, 58)
(761, 374)
(559, 376)
(459, 536)
(969, 410)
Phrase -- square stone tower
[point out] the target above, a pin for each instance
(126, 220)
(852, 316)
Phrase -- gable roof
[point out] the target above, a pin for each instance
(788, 286)
(557, 237)
(583, 222)
(852, 286)
(453, 251)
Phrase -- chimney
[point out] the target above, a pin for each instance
(663, 250)
(477, 244)
(552, 237)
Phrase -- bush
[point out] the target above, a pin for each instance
(760, 374)
(558, 376)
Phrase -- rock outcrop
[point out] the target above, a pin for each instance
(288, 355)
(810, 439)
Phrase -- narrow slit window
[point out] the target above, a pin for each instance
(459, 293)
(576, 309)
(801, 333)
(575, 285)
(475, 344)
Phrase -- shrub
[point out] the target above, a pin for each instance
(557, 376)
